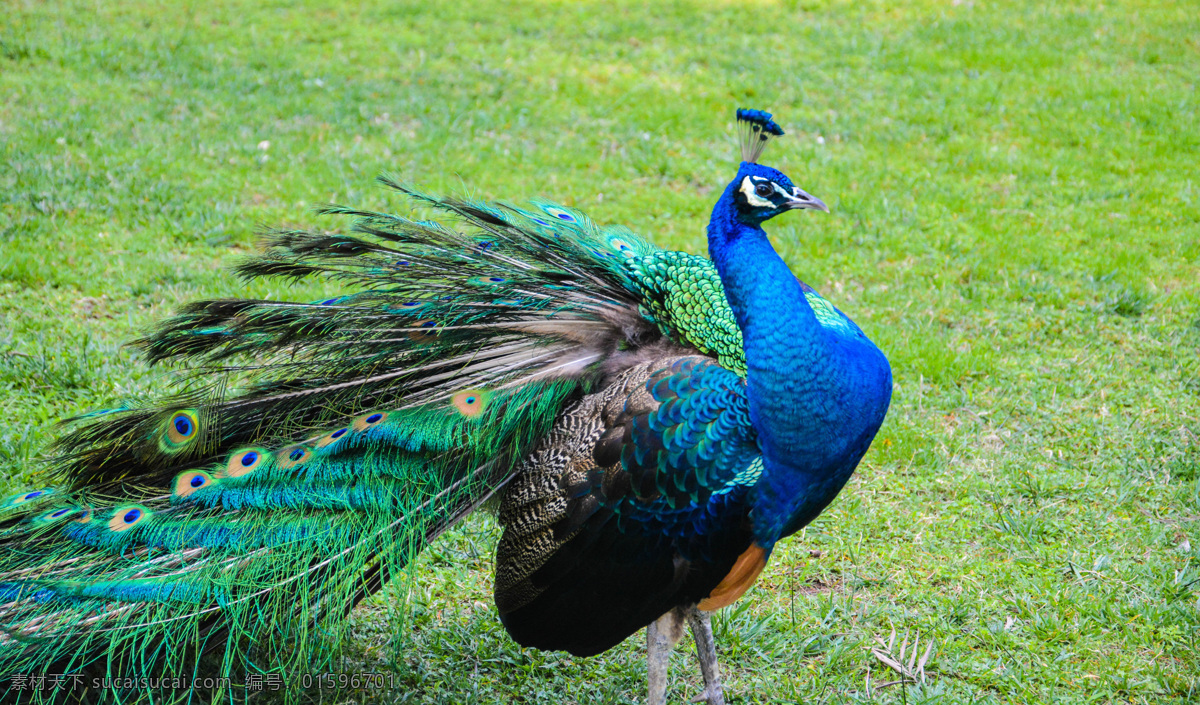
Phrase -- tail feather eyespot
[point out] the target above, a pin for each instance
(487, 281)
(408, 306)
(182, 428)
(56, 515)
(362, 423)
(292, 456)
(470, 402)
(244, 462)
(190, 482)
(560, 213)
(423, 331)
(623, 247)
(126, 517)
(25, 497)
(331, 438)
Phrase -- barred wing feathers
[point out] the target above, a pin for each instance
(634, 504)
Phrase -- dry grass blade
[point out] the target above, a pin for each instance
(906, 661)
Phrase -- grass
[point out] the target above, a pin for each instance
(1015, 220)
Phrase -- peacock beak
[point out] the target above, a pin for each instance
(801, 199)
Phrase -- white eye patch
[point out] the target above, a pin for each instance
(747, 189)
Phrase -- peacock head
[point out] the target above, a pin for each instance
(760, 192)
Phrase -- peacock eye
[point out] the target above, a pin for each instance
(763, 190)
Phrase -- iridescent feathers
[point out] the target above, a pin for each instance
(755, 129)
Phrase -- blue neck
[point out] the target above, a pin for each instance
(804, 401)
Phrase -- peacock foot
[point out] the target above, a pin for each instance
(661, 637)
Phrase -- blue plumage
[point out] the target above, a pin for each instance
(817, 396)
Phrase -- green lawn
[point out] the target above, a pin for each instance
(1015, 220)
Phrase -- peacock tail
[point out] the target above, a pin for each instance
(316, 448)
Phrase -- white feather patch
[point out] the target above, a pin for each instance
(752, 198)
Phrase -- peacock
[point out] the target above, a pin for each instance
(650, 424)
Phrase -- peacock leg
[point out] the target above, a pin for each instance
(706, 652)
(661, 637)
